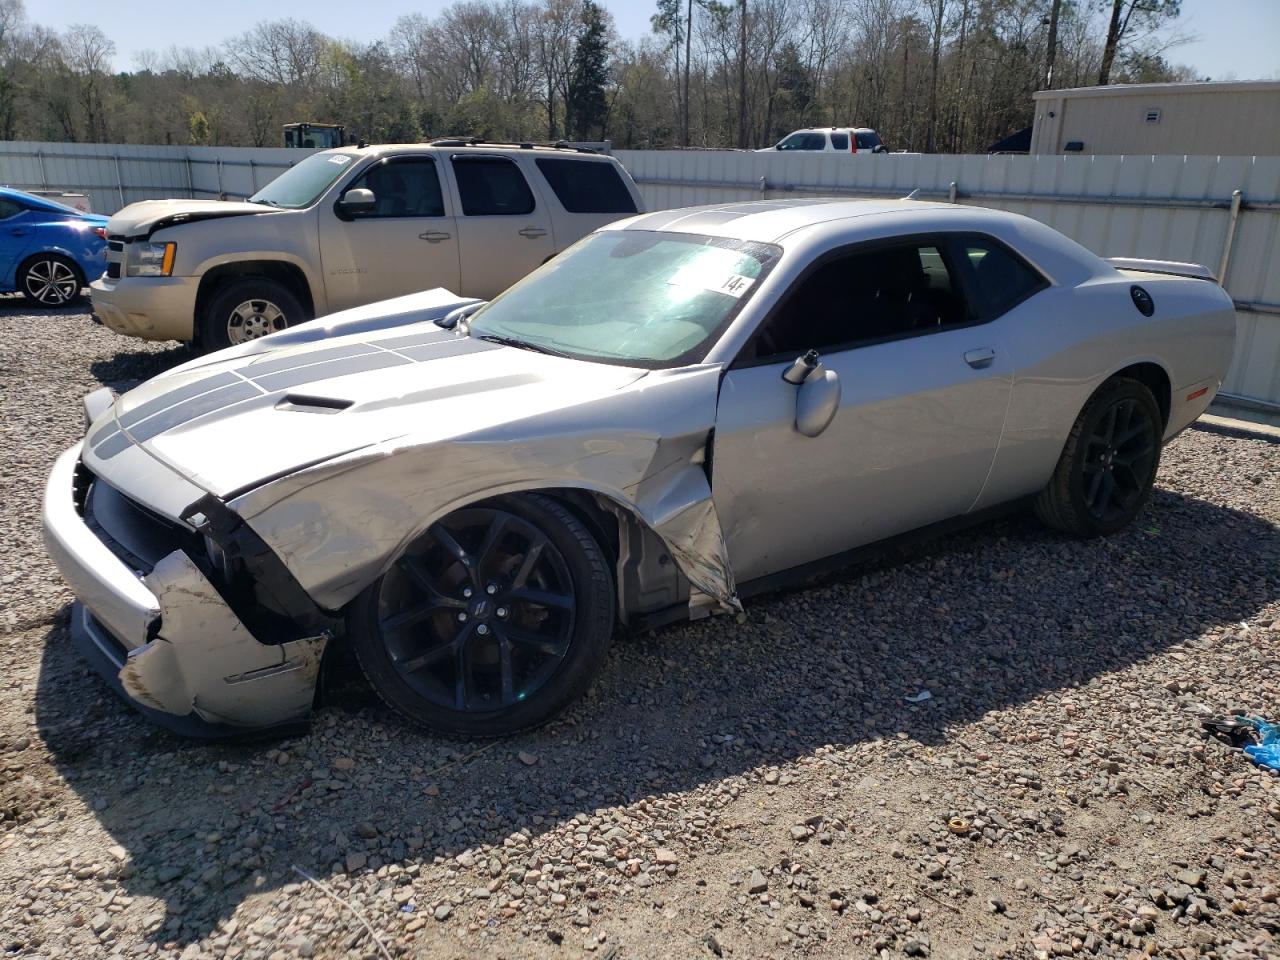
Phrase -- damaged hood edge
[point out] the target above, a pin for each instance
(139, 220)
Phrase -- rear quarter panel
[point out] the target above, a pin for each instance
(1067, 340)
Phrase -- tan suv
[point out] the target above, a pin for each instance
(352, 226)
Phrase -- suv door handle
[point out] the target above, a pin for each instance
(532, 233)
(434, 236)
(979, 358)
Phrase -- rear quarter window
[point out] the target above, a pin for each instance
(587, 186)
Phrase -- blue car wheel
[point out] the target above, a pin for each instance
(48, 280)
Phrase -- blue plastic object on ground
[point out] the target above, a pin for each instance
(1266, 752)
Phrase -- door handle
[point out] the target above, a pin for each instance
(979, 358)
(18, 232)
(434, 236)
(532, 233)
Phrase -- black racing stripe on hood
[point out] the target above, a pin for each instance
(330, 369)
(166, 400)
(262, 367)
(420, 338)
(197, 407)
(113, 445)
(99, 435)
(437, 351)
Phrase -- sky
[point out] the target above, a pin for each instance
(1233, 39)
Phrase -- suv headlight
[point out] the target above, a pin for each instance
(153, 259)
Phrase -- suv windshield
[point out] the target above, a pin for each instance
(633, 297)
(302, 184)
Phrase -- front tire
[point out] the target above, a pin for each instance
(247, 309)
(1109, 463)
(50, 281)
(494, 621)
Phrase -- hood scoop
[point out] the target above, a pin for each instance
(306, 404)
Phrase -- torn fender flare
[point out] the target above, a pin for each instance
(204, 660)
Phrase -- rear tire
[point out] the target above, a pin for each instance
(248, 309)
(49, 280)
(1109, 463)
(494, 621)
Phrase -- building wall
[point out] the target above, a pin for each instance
(1201, 119)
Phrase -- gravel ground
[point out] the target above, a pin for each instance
(755, 789)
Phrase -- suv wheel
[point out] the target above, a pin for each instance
(48, 280)
(246, 310)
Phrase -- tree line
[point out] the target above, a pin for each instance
(931, 75)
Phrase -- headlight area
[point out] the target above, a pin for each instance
(152, 259)
(252, 580)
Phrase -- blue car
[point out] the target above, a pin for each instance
(48, 252)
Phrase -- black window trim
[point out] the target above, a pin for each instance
(462, 212)
(364, 171)
(946, 243)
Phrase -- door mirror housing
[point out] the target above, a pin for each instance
(357, 200)
(817, 394)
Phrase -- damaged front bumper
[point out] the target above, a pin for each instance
(164, 638)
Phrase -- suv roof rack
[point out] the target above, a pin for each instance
(521, 145)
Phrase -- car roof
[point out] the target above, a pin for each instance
(40, 203)
(767, 221)
(833, 130)
(466, 146)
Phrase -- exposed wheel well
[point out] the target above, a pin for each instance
(1152, 375)
(278, 270)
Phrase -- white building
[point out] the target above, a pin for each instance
(1223, 119)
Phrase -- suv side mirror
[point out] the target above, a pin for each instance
(880, 148)
(357, 200)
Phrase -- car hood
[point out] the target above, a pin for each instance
(147, 216)
(229, 425)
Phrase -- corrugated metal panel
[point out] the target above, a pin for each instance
(1161, 207)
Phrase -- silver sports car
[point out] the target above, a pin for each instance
(682, 408)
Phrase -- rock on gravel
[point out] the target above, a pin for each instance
(753, 789)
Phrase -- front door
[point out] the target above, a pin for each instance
(923, 394)
(407, 242)
(505, 232)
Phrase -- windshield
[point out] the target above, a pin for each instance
(633, 297)
(302, 184)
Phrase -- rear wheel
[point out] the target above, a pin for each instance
(50, 280)
(247, 309)
(495, 620)
(1109, 464)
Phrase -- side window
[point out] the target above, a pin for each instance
(804, 141)
(876, 295)
(492, 187)
(868, 141)
(403, 188)
(587, 186)
(1000, 278)
(9, 208)
(840, 141)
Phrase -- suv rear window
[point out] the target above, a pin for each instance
(587, 186)
(492, 187)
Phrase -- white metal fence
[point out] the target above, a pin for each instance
(1220, 211)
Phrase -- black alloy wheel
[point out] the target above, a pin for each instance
(1108, 465)
(492, 621)
(1119, 460)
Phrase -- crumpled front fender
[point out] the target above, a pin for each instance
(339, 525)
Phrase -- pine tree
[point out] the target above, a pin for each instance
(587, 107)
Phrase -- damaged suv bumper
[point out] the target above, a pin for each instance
(164, 637)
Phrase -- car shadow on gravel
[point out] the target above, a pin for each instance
(985, 620)
(128, 368)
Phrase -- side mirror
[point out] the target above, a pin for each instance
(817, 393)
(357, 200)
(880, 148)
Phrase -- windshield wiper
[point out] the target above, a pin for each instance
(269, 203)
(524, 345)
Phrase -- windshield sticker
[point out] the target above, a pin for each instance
(715, 279)
(340, 160)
